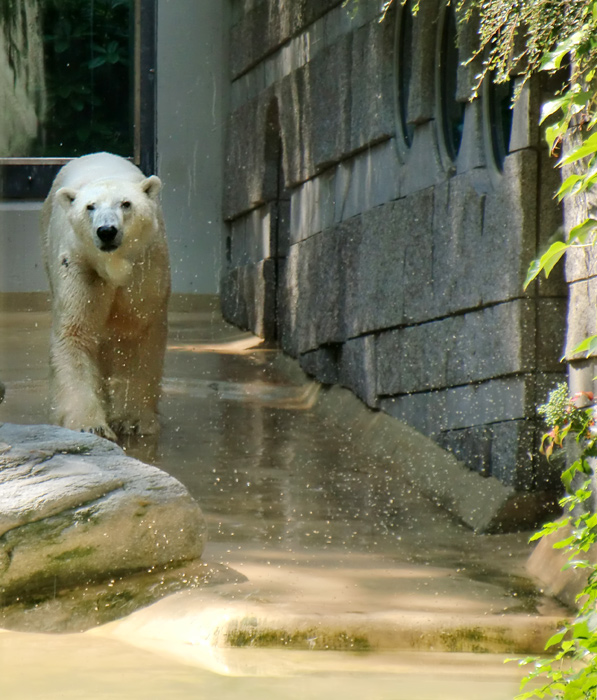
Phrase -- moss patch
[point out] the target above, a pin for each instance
(311, 639)
(76, 553)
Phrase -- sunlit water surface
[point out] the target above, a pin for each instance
(295, 506)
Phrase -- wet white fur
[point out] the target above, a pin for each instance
(109, 319)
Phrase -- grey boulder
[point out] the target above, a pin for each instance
(74, 508)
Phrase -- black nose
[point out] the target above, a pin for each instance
(107, 234)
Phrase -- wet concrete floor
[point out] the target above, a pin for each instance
(297, 508)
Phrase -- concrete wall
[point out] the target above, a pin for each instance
(398, 273)
(191, 102)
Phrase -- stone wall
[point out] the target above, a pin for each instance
(377, 260)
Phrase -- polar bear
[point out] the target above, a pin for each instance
(106, 256)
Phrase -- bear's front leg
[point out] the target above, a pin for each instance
(75, 384)
(80, 308)
(134, 365)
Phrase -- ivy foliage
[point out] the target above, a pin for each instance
(524, 37)
(569, 670)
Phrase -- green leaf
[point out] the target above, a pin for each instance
(97, 62)
(581, 232)
(555, 132)
(551, 106)
(556, 638)
(546, 262)
(553, 60)
(588, 346)
(587, 148)
(568, 186)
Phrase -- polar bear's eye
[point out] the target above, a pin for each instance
(90, 207)
(126, 204)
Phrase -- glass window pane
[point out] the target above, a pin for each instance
(452, 110)
(67, 77)
(499, 96)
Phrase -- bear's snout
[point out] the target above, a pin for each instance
(107, 236)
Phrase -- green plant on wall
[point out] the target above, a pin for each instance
(569, 671)
(560, 36)
(524, 37)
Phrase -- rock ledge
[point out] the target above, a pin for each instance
(74, 508)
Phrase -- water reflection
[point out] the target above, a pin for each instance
(315, 526)
(270, 472)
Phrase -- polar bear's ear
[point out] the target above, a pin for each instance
(65, 197)
(152, 186)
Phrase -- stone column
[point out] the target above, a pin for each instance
(581, 278)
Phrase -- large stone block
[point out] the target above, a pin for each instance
(422, 164)
(323, 363)
(245, 164)
(264, 27)
(551, 334)
(358, 370)
(496, 400)
(372, 87)
(253, 36)
(247, 86)
(248, 297)
(471, 446)
(510, 228)
(493, 342)
(457, 350)
(287, 293)
(306, 12)
(459, 271)
(233, 304)
(368, 179)
(471, 406)
(471, 155)
(389, 364)
(502, 450)
(313, 205)
(349, 16)
(328, 93)
(237, 242)
(525, 132)
(512, 448)
(382, 174)
(423, 411)
(470, 62)
(329, 287)
(377, 295)
(251, 236)
(303, 259)
(421, 99)
(295, 116)
(328, 291)
(420, 303)
(416, 359)
(580, 264)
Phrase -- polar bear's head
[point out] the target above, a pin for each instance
(112, 214)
